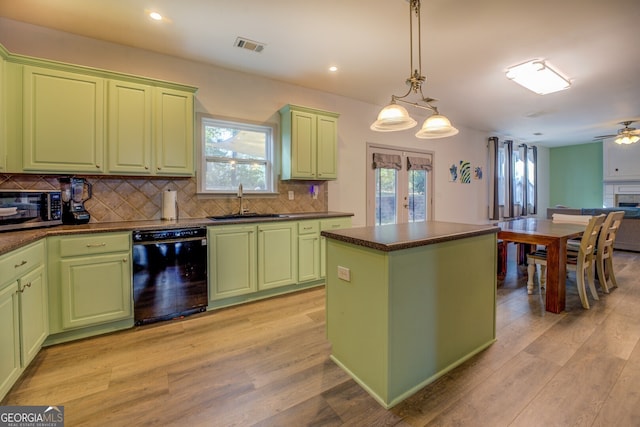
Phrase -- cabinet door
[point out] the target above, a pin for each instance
(34, 314)
(308, 257)
(174, 132)
(129, 136)
(232, 261)
(9, 338)
(277, 255)
(327, 148)
(63, 121)
(303, 145)
(620, 162)
(95, 289)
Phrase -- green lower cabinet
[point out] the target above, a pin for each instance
(23, 311)
(308, 250)
(232, 261)
(248, 262)
(90, 284)
(277, 255)
(10, 368)
(95, 289)
(34, 313)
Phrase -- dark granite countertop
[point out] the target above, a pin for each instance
(389, 238)
(11, 240)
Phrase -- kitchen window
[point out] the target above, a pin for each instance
(234, 152)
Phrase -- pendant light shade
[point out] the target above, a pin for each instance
(436, 126)
(393, 117)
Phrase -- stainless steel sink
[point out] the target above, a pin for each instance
(247, 215)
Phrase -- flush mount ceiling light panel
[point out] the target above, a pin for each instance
(395, 117)
(538, 76)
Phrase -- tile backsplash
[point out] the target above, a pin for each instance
(119, 198)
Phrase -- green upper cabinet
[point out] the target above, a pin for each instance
(150, 130)
(129, 133)
(63, 121)
(63, 118)
(309, 143)
(174, 132)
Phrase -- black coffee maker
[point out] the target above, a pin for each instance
(73, 210)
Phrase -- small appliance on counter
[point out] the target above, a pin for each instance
(73, 210)
(21, 209)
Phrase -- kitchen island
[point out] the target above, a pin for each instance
(407, 303)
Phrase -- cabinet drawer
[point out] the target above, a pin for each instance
(308, 227)
(334, 224)
(20, 261)
(98, 243)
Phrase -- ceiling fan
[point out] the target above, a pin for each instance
(626, 135)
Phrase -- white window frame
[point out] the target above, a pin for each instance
(271, 162)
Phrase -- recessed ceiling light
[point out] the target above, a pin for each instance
(333, 68)
(155, 16)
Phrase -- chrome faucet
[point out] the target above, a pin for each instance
(241, 197)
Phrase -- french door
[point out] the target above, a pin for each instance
(399, 185)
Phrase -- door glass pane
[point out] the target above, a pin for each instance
(386, 199)
(417, 195)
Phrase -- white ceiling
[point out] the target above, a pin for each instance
(466, 47)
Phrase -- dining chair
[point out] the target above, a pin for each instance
(582, 262)
(604, 250)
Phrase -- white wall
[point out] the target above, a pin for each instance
(233, 94)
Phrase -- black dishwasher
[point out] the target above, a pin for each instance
(169, 273)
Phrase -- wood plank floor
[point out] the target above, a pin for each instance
(267, 364)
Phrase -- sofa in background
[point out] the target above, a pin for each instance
(628, 237)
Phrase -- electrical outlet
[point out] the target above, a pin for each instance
(344, 273)
(290, 195)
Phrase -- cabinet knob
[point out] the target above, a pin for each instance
(20, 265)
(146, 167)
(159, 168)
(97, 166)
(124, 260)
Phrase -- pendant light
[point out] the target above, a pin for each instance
(394, 117)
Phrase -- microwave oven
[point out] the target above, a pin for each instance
(21, 209)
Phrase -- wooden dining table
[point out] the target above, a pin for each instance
(554, 236)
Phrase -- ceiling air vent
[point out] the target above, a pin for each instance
(249, 44)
